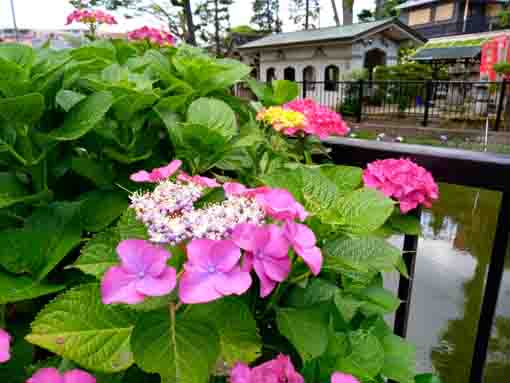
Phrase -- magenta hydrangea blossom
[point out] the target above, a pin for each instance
(153, 35)
(320, 120)
(158, 174)
(281, 205)
(212, 271)
(340, 377)
(239, 190)
(143, 273)
(266, 251)
(52, 375)
(86, 16)
(5, 346)
(198, 180)
(303, 241)
(402, 180)
(277, 370)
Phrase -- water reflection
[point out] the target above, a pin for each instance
(453, 259)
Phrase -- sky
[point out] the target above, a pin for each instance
(51, 14)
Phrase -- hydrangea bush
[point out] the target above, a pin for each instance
(156, 228)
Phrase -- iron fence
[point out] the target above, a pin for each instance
(416, 101)
(423, 102)
(466, 168)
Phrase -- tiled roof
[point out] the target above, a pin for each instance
(312, 35)
(452, 53)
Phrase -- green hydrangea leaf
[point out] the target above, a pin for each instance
(99, 253)
(236, 326)
(399, 359)
(215, 114)
(100, 208)
(77, 326)
(14, 288)
(365, 358)
(176, 348)
(131, 228)
(306, 328)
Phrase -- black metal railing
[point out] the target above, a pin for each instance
(481, 170)
(475, 24)
(421, 102)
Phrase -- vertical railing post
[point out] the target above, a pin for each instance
(360, 101)
(428, 101)
(405, 285)
(491, 294)
(501, 104)
(304, 88)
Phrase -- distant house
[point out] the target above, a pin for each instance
(439, 18)
(324, 54)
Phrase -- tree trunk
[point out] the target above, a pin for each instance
(347, 10)
(217, 28)
(307, 15)
(190, 38)
(335, 12)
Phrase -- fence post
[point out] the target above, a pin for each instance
(360, 101)
(501, 104)
(428, 100)
(304, 88)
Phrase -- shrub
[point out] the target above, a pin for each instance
(83, 288)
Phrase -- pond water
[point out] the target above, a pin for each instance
(453, 259)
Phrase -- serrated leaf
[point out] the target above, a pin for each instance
(66, 99)
(101, 208)
(365, 358)
(359, 212)
(214, 114)
(406, 224)
(14, 288)
(236, 326)
(317, 291)
(365, 255)
(26, 109)
(347, 305)
(306, 328)
(83, 117)
(47, 237)
(78, 326)
(93, 170)
(378, 301)
(99, 253)
(399, 359)
(130, 228)
(178, 349)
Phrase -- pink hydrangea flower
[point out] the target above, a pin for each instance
(280, 204)
(340, 377)
(143, 272)
(303, 242)
(266, 251)
(277, 370)
(158, 174)
(5, 346)
(402, 180)
(238, 190)
(198, 180)
(90, 17)
(320, 120)
(212, 271)
(153, 35)
(52, 375)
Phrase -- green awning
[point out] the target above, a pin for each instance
(445, 54)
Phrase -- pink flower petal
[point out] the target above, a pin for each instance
(340, 377)
(117, 286)
(198, 287)
(312, 257)
(156, 287)
(267, 285)
(141, 176)
(240, 374)
(277, 269)
(139, 256)
(46, 375)
(225, 255)
(234, 282)
(234, 188)
(247, 236)
(78, 376)
(170, 169)
(5, 346)
(199, 252)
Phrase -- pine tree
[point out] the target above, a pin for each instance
(214, 21)
(305, 12)
(266, 15)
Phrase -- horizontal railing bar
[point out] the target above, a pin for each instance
(455, 166)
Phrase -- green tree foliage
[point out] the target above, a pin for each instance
(305, 12)
(176, 14)
(214, 22)
(266, 15)
(365, 15)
